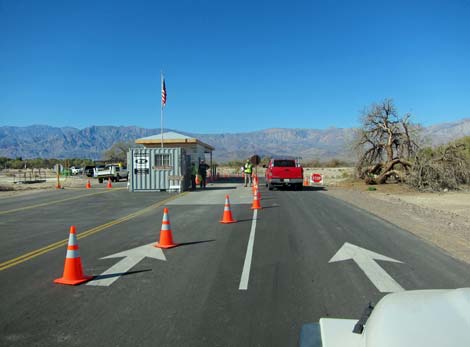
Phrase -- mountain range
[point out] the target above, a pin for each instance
(51, 142)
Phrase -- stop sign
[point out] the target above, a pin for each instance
(316, 178)
(255, 160)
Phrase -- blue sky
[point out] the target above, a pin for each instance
(231, 66)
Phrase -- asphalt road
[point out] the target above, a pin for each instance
(193, 297)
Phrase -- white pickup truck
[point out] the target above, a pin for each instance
(76, 170)
(415, 318)
(111, 171)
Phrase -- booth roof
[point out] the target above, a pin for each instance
(172, 137)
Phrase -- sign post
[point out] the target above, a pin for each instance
(58, 168)
(255, 160)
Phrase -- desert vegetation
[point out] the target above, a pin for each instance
(41, 163)
(443, 167)
(390, 148)
(118, 152)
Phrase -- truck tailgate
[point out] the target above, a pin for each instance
(287, 172)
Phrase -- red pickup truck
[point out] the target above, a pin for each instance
(284, 172)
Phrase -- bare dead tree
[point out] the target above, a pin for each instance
(386, 144)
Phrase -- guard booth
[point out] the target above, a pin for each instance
(178, 149)
(158, 169)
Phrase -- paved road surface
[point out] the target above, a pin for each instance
(193, 298)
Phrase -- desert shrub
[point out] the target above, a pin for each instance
(332, 163)
(235, 164)
(40, 163)
(5, 188)
(443, 167)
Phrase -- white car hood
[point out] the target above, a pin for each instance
(430, 318)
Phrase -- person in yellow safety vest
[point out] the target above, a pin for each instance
(248, 171)
(193, 176)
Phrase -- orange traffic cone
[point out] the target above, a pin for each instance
(88, 185)
(257, 190)
(256, 204)
(109, 183)
(166, 238)
(306, 182)
(73, 271)
(227, 216)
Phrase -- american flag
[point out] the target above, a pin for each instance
(163, 93)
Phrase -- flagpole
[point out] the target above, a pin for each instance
(161, 109)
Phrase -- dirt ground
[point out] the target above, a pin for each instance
(440, 218)
(14, 182)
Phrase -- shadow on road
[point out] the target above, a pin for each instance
(229, 180)
(213, 188)
(273, 206)
(315, 189)
(194, 242)
(304, 189)
(245, 220)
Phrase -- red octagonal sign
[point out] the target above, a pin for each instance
(316, 178)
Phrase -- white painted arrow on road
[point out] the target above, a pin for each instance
(365, 259)
(131, 258)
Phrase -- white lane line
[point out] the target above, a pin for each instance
(249, 254)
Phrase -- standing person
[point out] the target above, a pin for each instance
(193, 176)
(203, 172)
(248, 171)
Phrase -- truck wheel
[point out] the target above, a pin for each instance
(118, 178)
(100, 180)
(270, 186)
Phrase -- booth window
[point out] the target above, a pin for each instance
(162, 160)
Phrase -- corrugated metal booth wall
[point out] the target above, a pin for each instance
(152, 169)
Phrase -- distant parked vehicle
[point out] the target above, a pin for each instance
(88, 171)
(285, 172)
(76, 170)
(113, 172)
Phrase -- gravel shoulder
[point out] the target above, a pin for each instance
(10, 189)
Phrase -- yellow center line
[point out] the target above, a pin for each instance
(55, 202)
(33, 254)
